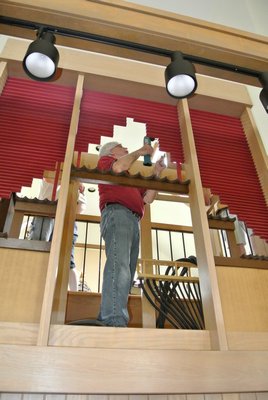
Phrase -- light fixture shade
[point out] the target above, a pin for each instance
(263, 78)
(42, 57)
(180, 77)
(264, 98)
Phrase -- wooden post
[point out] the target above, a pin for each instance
(214, 320)
(148, 312)
(60, 297)
(6, 214)
(257, 150)
(54, 256)
(16, 224)
(3, 75)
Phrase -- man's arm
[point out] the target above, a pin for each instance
(150, 195)
(125, 162)
(81, 201)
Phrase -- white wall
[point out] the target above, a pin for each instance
(247, 15)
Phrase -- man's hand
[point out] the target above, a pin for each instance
(159, 166)
(146, 149)
(124, 163)
(150, 195)
(81, 188)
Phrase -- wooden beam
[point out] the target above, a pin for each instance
(61, 289)
(16, 224)
(143, 80)
(241, 262)
(33, 208)
(169, 227)
(43, 333)
(31, 369)
(175, 198)
(162, 185)
(34, 245)
(148, 312)
(257, 150)
(213, 314)
(221, 224)
(3, 75)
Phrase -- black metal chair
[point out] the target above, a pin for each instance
(176, 301)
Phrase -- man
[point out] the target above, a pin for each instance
(81, 206)
(121, 209)
(42, 227)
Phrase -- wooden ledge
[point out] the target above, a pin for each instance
(24, 244)
(241, 262)
(68, 370)
(36, 207)
(95, 176)
(221, 223)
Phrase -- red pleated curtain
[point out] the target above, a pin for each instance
(227, 168)
(34, 126)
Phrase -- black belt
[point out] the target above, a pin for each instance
(133, 212)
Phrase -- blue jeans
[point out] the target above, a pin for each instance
(120, 230)
(42, 228)
(75, 237)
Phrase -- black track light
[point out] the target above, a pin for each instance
(264, 92)
(181, 82)
(42, 57)
(264, 99)
(180, 77)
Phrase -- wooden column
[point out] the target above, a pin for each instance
(54, 256)
(257, 150)
(60, 297)
(148, 313)
(233, 246)
(3, 75)
(6, 214)
(16, 224)
(6, 205)
(214, 321)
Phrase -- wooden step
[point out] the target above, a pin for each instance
(85, 305)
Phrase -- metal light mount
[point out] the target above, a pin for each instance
(180, 77)
(42, 57)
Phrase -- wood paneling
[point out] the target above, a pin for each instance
(22, 281)
(244, 298)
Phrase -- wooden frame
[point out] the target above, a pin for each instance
(82, 369)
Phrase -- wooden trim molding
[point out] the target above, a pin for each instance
(161, 184)
(82, 370)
